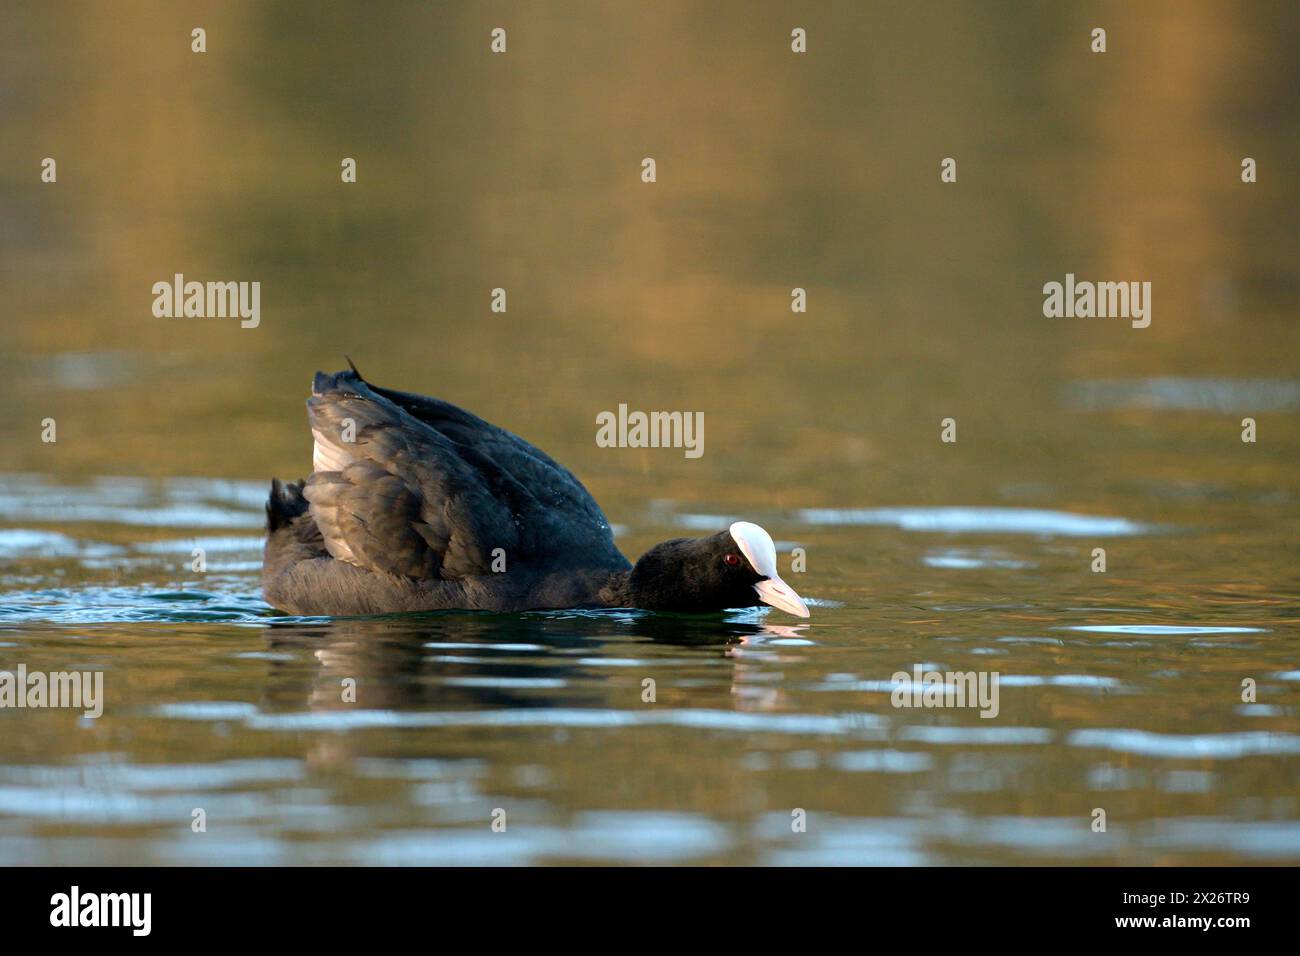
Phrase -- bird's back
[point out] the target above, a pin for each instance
(418, 504)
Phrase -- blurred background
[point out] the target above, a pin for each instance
(775, 170)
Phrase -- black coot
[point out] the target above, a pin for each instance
(417, 505)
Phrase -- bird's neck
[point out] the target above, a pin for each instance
(617, 590)
(655, 582)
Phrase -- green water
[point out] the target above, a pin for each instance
(1120, 690)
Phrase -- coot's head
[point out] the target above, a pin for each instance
(733, 568)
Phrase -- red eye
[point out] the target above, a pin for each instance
(732, 559)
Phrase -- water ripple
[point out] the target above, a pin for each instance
(738, 721)
(970, 520)
(1190, 746)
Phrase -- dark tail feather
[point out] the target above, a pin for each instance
(284, 504)
(345, 381)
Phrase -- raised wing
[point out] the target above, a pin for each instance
(420, 488)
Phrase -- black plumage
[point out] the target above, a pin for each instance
(416, 504)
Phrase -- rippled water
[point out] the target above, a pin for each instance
(214, 701)
(1119, 691)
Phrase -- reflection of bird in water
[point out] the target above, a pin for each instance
(449, 663)
(470, 660)
(454, 661)
(751, 685)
